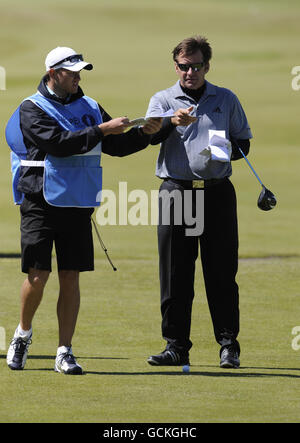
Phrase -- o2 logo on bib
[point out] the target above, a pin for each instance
(88, 120)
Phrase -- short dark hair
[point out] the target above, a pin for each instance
(190, 45)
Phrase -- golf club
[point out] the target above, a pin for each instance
(266, 200)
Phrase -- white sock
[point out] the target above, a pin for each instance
(63, 350)
(21, 333)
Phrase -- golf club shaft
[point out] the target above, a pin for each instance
(250, 166)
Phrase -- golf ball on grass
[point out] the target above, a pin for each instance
(186, 369)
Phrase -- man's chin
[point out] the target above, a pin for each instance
(191, 85)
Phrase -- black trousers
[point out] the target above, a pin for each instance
(219, 256)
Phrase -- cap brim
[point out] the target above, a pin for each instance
(76, 67)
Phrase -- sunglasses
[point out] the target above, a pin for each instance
(195, 66)
(72, 59)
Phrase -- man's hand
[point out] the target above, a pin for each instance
(183, 117)
(114, 126)
(152, 126)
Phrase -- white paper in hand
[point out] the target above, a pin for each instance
(143, 120)
(138, 121)
(219, 146)
(169, 113)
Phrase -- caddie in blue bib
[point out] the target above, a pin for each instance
(73, 181)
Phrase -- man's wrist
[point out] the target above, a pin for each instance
(99, 131)
(104, 129)
(140, 130)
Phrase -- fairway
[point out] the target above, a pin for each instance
(255, 46)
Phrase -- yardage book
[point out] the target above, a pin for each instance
(143, 120)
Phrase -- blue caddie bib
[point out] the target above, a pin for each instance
(73, 181)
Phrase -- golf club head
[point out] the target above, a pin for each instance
(266, 200)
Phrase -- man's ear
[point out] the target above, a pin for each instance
(206, 68)
(52, 73)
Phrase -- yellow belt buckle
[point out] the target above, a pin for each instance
(198, 184)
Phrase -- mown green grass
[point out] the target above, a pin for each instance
(118, 328)
(255, 46)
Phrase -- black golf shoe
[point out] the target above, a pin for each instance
(169, 358)
(229, 355)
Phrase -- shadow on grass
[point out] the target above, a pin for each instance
(242, 372)
(255, 367)
(233, 374)
(9, 255)
(52, 357)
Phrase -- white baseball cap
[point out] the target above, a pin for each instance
(67, 58)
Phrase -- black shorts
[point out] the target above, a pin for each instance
(69, 229)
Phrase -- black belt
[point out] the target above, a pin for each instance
(197, 184)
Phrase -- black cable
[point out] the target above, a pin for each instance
(103, 245)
